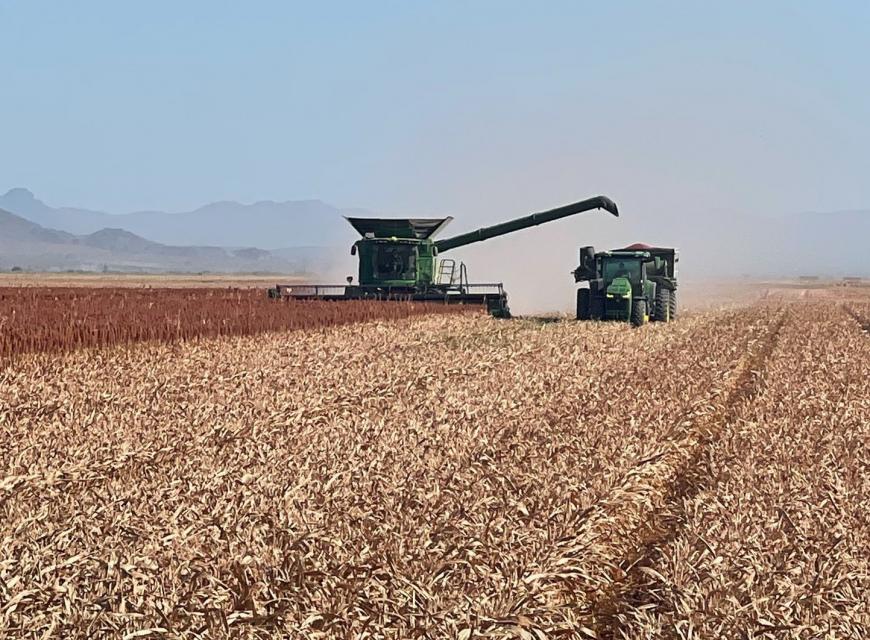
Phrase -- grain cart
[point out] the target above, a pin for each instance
(635, 284)
(399, 260)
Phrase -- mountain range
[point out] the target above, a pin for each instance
(310, 236)
(286, 237)
(30, 246)
(265, 224)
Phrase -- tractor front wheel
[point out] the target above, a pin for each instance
(638, 313)
(596, 306)
(672, 305)
(583, 304)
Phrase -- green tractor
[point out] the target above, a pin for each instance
(635, 284)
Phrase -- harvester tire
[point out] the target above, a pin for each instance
(638, 313)
(672, 305)
(662, 311)
(583, 296)
(499, 309)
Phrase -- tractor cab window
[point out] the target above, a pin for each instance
(396, 262)
(622, 269)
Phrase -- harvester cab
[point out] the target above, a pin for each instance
(634, 284)
(399, 260)
(396, 254)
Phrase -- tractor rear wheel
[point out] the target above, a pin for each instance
(672, 305)
(583, 304)
(662, 311)
(638, 313)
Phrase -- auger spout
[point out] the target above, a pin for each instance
(598, 202)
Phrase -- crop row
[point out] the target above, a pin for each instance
(773, 542)
(63, 319)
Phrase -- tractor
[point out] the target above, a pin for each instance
(635, 284)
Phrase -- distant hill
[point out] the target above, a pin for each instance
(266, 224)
(311, 236)
(34, 247)
(15, 229)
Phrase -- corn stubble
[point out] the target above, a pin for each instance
(446, 477)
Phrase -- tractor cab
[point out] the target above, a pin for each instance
(625, 285)
(625, 267)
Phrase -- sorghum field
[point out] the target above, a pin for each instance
(67, 318)
(446, 476)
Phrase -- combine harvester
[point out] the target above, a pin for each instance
(635, 284)
(398, 260)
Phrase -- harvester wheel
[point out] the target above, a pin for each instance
(662, 311)
(583, 304)
(499, 309)
(638, 313)
(672, 305)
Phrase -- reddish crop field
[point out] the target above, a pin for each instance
(68, 318)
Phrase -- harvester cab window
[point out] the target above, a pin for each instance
(396, 262)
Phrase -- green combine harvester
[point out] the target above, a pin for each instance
(399, 260)
(635, 284)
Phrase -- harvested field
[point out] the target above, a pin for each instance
(447, 476)
(860, 311)
(66, 318)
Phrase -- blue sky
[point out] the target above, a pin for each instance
(466, 108)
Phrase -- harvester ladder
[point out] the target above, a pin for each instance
(447, 271)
